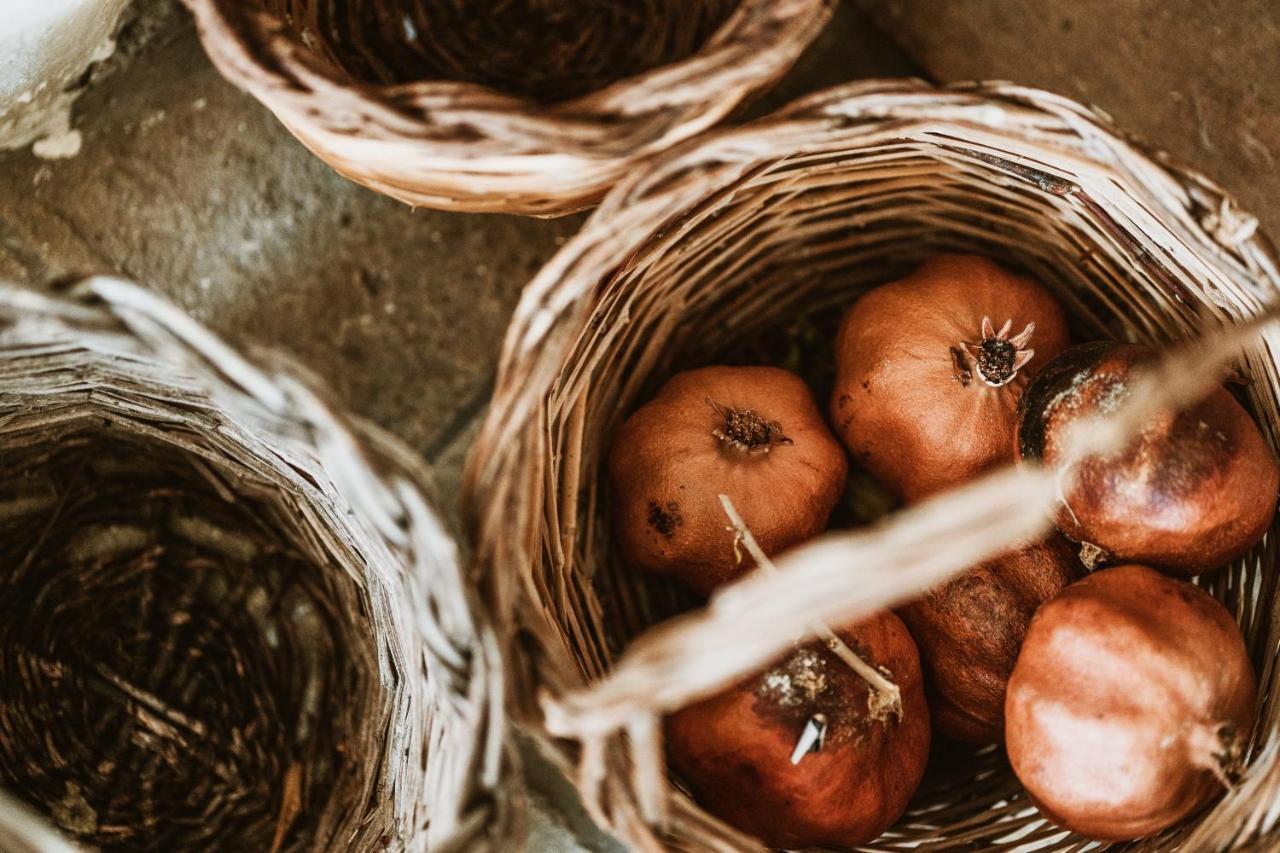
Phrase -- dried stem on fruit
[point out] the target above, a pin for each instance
(885, 699)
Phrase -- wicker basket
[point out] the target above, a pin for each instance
(241, 626)
(747, 236)
(526, 107)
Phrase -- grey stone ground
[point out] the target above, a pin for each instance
(190, 187)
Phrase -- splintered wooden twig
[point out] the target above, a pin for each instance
(885, 699)
(811, 739)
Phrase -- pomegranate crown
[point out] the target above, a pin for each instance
(999, 357)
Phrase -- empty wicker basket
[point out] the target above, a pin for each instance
(527, 107)
(732, 241)
(230, 619)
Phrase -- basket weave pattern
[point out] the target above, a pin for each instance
(441, 104)
(731, 241)
(245, 628)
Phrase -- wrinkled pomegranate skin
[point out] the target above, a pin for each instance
(970, 629)
(667, 470)
(1195, 491)
(1116, 676)
(734, 749)
(898, 403)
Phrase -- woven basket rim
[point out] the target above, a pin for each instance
(463, 146)
(440, 102)
(649, 209)
(841, 103)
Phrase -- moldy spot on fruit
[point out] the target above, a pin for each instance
(665, 521)
(963, 375)
(812, 681)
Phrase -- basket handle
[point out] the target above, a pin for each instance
(22, 829)
(843, 577)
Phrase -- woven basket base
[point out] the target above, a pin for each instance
(170, 676)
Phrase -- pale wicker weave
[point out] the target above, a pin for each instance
(731, 241)
(231, 620)
(456, 105)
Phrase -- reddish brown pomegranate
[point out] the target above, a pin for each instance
(969, 631)
(930, 369)
(753, 433)
(1130, 705)
(735, 749)
(1194, 491)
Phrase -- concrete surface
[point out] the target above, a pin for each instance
(192, 188)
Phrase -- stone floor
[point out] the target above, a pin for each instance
(190, 187)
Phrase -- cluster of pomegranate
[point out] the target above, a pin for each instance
(1123, 694)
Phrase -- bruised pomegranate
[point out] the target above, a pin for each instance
(752, 433)
(929, 370)
(1194, 491)
(969, 631)
(1130, 705)
(738, 750)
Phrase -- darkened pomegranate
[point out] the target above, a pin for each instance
(1195, 490)
(970, 629)
(738, 750)
(929, 370)
(1130, 705)
(752, 433)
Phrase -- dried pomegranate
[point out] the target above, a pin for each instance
(1195, 490)
(1130, 705)
(969, 631)
(927, 386)
(742, 753)
(752, 433)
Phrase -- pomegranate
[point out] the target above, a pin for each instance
(1130, 705)
(1195, 490)
(929, 370)
(793, 755)
(969, 631)
(753, 433)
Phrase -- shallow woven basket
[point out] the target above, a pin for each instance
(723, 249)
(230, 620)
(506, 106)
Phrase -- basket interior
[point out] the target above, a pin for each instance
(764, 269)
(543, 50)
(184, 661)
